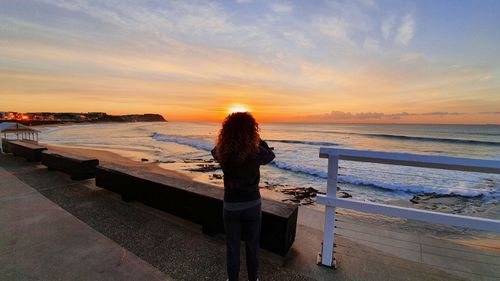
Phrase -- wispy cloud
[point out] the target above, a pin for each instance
(333, 27)
(282, 8)
(298, 38)
(372, 45)
(406, 30)
(387, 26)
(174, 16)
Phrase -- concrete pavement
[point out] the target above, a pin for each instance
(41, 241)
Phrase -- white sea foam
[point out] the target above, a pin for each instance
(461, 190)
(349, 179)
(315, 143)
(301, 169)
(415, 188)
(196, 143)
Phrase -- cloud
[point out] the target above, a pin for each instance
(282, 8)
(341, 115)
(372, 45)
(176, 16)
(244, 1)
(485, 78)
(333, 54)
(335, 28)
(387, 26)
(406, 30)
(298, 38)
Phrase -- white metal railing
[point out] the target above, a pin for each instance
(331, 201)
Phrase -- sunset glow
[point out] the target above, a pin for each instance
(238, 108)
(304, 61)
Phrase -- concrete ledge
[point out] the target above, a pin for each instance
(30, 151)
(199, 203)
(78, 167)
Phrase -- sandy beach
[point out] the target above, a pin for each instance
(108, 158)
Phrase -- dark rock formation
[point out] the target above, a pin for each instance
(447, 203)
(343, 194)
(300, 195)
(197, 160)
(205, 168)
(216, 176)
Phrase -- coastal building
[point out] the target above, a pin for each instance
(14, 130)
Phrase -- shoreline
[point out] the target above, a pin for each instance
(111, 158)
(107, 157)
(468, 238)
(370, 188)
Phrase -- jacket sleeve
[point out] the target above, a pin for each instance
(266, 154)
(213, 153)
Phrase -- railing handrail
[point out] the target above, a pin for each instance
(415, 160)
(410, 213)
(331, 201)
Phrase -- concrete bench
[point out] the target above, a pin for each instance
(78, 167)
(199, 203)
(28, 150)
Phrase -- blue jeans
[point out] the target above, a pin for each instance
(238, 225)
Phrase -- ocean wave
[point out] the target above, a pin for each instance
(205, 145)
(319, 143)
(196, 143)
(430, 139)
(483, 134)
(415, 189)
(416, 138)
(300, 169)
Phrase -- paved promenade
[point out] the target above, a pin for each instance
(53, 228)
(41, 241)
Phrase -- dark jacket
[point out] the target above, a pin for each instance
(241, 181)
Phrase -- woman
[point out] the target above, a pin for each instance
(240, 152)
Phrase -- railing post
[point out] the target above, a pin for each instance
(327, 257)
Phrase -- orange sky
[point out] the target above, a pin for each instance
(346, 62)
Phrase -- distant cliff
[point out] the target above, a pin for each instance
(43, 118)
(131, 118)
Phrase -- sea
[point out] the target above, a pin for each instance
(297, 162)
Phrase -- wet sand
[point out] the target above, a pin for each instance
(108, 158)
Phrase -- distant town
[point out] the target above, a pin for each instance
(43, 118)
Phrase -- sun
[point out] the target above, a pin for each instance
(238, 108)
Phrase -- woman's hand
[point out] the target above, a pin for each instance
(266, 153)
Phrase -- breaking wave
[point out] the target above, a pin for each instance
(319, 143)
(349, 179)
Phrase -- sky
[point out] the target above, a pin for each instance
(357, 61)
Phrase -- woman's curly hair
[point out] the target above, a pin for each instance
(239, 138)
